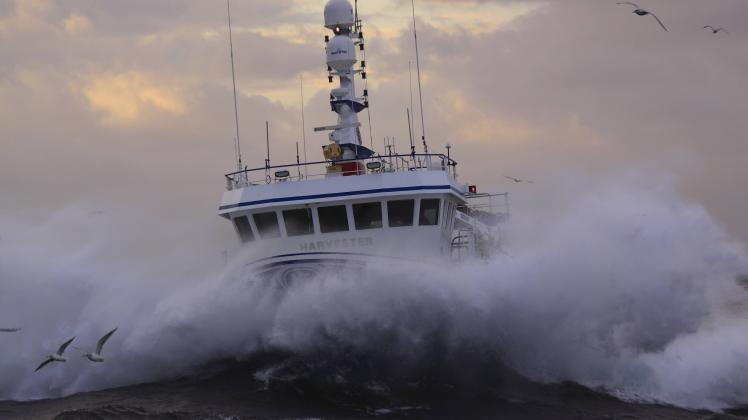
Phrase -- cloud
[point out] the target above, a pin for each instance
(24, 15)
(129, 97)
(544, 88)
(475, 18)
(77, 25)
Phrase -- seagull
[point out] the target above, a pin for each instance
(96, 356)
(57, 357)
(9, 330)
(716, 30)
(743, 280)
(517, 180)
(641, 12)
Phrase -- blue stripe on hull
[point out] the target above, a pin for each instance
(306, 254)
(340, 255)
(325, 262)
(340, 194)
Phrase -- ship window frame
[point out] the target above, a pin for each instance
(262, 231)
(246, 234)
(372, 205)
(421, 216)
(325, 227)
(309, 230)
(390, 214)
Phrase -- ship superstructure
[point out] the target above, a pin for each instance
(357, 207)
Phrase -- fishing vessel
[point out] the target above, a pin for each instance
(354, 207)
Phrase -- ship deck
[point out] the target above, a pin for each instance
(389, 176)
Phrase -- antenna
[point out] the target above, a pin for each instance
(358, 25)
(418, 67)
(410, 83)
(267, 140)
(388, 146)
(410, 131)
(298, 163)
(237, 146)
(368, 114)
(303, 127)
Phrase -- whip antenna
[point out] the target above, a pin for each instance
(410, 89)
(410, 131)
(359, 27)
(237, 146)
(303, 126)
(411, 109)
(267, 143)
(418, 68)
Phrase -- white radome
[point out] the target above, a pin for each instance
(338, 14)
(341, 53)
(339, 93)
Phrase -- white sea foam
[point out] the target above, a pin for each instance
(627, 289)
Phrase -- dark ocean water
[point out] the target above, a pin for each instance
(340, 384)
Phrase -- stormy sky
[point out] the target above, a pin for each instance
(125, 108)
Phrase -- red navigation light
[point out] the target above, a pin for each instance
(473, 189)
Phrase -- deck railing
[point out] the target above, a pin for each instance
(490, 209)
(378, 164)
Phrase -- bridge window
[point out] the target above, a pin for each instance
(244, 229)
(298, 222)
(267, 225)
(333, 219)
(368, 216)
(400, 212)
(429, 215)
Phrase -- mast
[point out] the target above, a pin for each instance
(342, 19)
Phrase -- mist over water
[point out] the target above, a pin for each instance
(628, 289)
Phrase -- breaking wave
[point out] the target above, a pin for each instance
(629, 291)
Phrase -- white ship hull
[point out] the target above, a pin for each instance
(285, 256)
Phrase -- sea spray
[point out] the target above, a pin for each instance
(627, 290)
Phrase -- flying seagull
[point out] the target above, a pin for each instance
(96, 356)
(641, 12)
(9, 330)
(517, 180)
(57, 357)
(716, 30)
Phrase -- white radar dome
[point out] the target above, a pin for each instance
(339, 16)
(341, 53)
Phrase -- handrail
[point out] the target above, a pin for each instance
(389, 163)
(451, 162)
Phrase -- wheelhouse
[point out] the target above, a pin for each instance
(364, 215)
